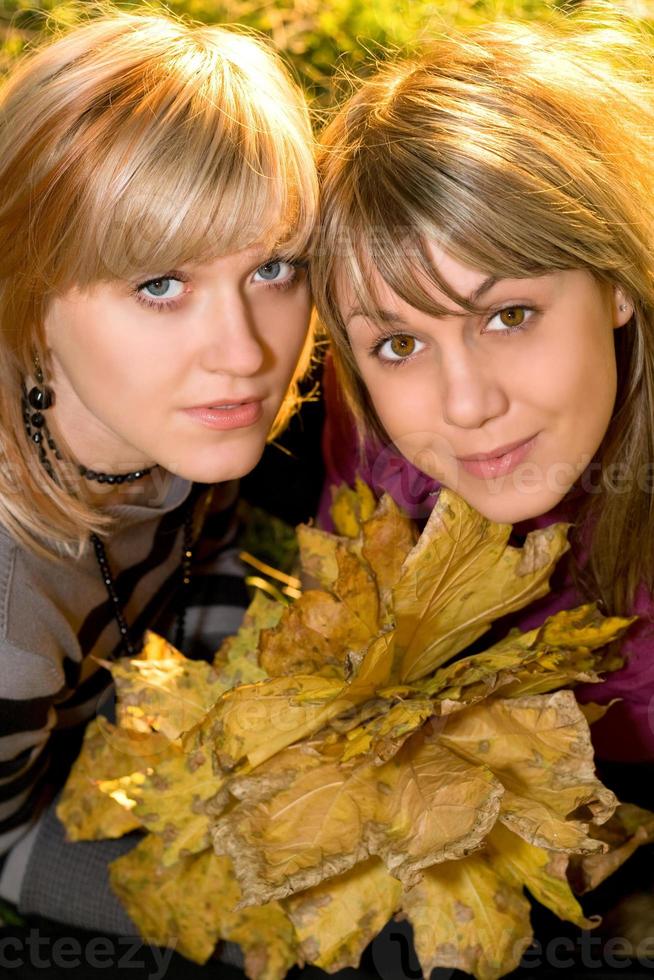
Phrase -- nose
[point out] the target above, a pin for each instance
(472, 391)
(230, 341)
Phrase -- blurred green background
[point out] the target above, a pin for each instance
(324, 40)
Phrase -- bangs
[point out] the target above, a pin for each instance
(466, 208)
(211, 190)
(207, 154)
(477, 164)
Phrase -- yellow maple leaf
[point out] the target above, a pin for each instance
(320, 628)
(350, 508)
(539, 748)
(467, 917)
(542, 872)
(628, 828)
(169, 799)
(348, 760)
(265, 934)
(336, 920)
(162, 690)
(461, 575)
(237, 661)
(543, 659)
(315, 633)
(387, 538)
(107, 751)
(318, 555)
(308, 828)
(190, 906)
(284, 708)
(423, 806)
(432, 806)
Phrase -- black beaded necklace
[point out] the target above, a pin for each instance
(129, 648)
(38, 432)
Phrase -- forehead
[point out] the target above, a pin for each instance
(380, 297)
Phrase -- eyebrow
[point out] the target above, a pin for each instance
(388, 316)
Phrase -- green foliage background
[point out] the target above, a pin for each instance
(324, 40)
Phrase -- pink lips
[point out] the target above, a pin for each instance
(226, 415)
(498, 463)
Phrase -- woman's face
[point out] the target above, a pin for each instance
(530, 381)
(186, 369)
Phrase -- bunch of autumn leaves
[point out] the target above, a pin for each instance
(342, 760)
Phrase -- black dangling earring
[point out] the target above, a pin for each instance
(40, 396)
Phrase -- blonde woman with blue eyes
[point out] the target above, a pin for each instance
(157, 197)
(485, 268)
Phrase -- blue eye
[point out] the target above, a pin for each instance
(161, 288)
(275, 271)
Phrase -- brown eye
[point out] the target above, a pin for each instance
(512, 316)
(402, 345)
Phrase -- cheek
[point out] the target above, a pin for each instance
(284, 329)
(299, 322)
(100, 360)
(406, 401)
(583, 381)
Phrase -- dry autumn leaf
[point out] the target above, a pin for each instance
(560, 650)
(542, 872)
(351, 762)
(628, 828)
(161, 690)
(539, 748)
(335, 921)
(237, 661)
(352, 508)
(467, 917)
(190, 905)
(107, 751)
(168, 799)
(461, 575)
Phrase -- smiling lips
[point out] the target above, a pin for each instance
(495, 453)
(227, 415)
(500, 461)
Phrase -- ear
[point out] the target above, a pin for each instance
(623, 308)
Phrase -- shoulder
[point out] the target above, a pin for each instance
(31, 655)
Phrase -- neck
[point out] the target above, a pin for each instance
(84, 437)
(145, 485)
(150, 491)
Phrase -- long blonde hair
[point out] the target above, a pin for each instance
(132, 142)
(521, 149)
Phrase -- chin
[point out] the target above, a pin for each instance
(524, 508)
(212, 468)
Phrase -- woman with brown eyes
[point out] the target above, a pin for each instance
(485, 270)
(157, 198)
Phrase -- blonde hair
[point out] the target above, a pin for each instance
(130, 143)
(521, 149)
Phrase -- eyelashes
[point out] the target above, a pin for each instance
(295, 270)
(515, 318)
(406, 341)
(163, 304)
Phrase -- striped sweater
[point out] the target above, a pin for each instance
(56, 621)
